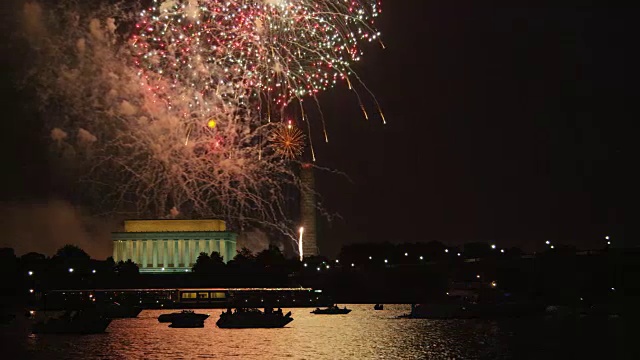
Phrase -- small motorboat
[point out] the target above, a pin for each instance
(187, 322)
(73, 322)
(331, 310)
(378, 307)
(184, 315)
(253, 318)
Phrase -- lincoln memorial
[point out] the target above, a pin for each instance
(159, 246)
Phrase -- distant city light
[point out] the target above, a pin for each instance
(446, 250)
(548, 242)
(186, 270)
(370, 258)
(30, 272)
(501, 250)
(494, 284)
(459, 254)
(608, 242)
(162, 269)
(31, 291)
(318, 268)
(93, 271)
(352, 264)
(386, 261)
(478, 276)
(493, 246)
(327, 266)
(421, 257)
(305, 264)
(606, 237)
(337, 261)
(552, 246)
(70, 270)
(613, 289)
(406, 254)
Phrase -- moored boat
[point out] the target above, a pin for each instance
(253, 318)
(73, 322)
(184, 315)
(187, 322)
(331, 310)
(378, 307)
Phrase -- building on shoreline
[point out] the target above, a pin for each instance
(159, 246)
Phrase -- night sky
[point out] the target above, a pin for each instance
(505, 124)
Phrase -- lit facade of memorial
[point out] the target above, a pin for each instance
(159, 246)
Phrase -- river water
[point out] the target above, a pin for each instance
(362, 334)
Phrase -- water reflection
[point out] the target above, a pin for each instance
(362, 334)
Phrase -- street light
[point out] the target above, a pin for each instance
(30, 273)
(548, 242)
(386, 261)
(421, 257)
(406, 254)
(370, 258)
(446, 250)
(70, 270)
(493, 246)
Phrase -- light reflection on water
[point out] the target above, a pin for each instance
(362, 334)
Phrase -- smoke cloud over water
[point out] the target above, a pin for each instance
(46, 227)
(143, 142)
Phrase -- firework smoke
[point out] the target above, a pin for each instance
(162, 109)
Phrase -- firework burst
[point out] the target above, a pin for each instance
(265, 52)
(287, 141)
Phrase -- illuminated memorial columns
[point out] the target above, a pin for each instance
(174, 245)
